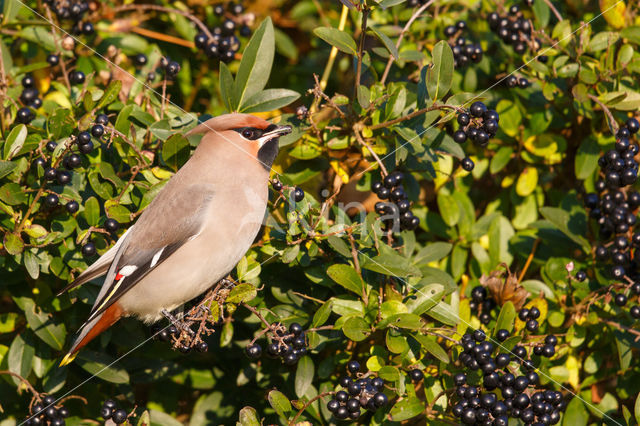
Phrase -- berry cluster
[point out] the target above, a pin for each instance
(46, 413)
(289, 345)
(225, 44)
(169, 68)
(60, 173)
(478, 124)
(464, 51)
(513, 81)
(530, 317)
(361, 393)
(30, 98)
(296, 194)
(74, 11)
(481, 304)
(111, 411)
(514, 30)
(517, 398)
(396, 211)
(548, 349)
(613, 207)
(172, 334)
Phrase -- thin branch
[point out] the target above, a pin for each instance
(415, 16)
(553, 9)
(56, 41)
(413, 115)
(536, 243)
(332, 58)
(35, 393)
(311, 401)
(363, 33)
(361, 141)
(612, 121)
(187, 15)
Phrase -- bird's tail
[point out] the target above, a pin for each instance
(90, 330)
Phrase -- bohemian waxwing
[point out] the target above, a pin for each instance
(193, 233)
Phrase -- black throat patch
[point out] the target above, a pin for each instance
(268, 152)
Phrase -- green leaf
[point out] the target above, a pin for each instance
(356, 329)
(20, 357)
(440, 75)
(304, 375)
(337, 38)
(347, 277)
(561, 220)
(449, 209)
(636, 409)
(227, 88)
(145, 419)
(101, 365)
(280, 403)
(425, 298)
(6, 167)
(506, 318)
(242, 293)
(255, 66)
(500, 232)
(586, 161)
(92, 211)
(13, 243)
(444, 313)
(110, 94)
(322, 314)
(430, 345)
(176, 151)
(406, 409)
(388, 43)
(433, 251)
(269, 100)
(14, 141)
(51, 332)
(248, 417)
(527, 181)
(41, 36)
(576, 413)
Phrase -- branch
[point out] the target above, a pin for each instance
(612, 121)
(553, 9)
(363, 32)
(413, 115)
(56, 41)
(23, 380)
(311, 401)
(187, 15)
(356, 131)
(415, 16)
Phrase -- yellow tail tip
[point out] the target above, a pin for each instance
(68, 359)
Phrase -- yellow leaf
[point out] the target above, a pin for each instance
(444, 168)
(546, 145)
(527, 181)
(58, 98)
(35, 231)
(375, 363)
(340, 171)
(573, 366)
(613, 12)
(507, 181)
(161, 173)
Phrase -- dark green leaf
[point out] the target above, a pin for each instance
(52, 332)
(6, 167)
(406, 409)
(227, 88)
(269, 100)
(102, 366)
(388, 43)
(440, 75)
(14, 141)
(337, 38)
(176, 151)
(304, 375)
(20, 356)
(506, 318)
(355, 328)
(110, 94)
(255, 66)
(347, 277)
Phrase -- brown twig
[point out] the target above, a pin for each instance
(612, 121)
(553, 9)
(529, 259)
(305, 406)
(363, 33)
(360, 139)
(414, 114)
(187, 15)
(415, 16)
(35, 393)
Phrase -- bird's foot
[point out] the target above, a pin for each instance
(179, 324)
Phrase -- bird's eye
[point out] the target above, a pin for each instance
(248, 133)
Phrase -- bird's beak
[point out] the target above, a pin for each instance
(273, 132)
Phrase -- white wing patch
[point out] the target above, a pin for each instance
(155, 258)
(127, 270)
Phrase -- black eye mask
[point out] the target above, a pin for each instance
(250, 133)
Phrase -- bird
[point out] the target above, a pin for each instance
(193, 233)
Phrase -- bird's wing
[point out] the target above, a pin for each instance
(99, 268)
(171, 220)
